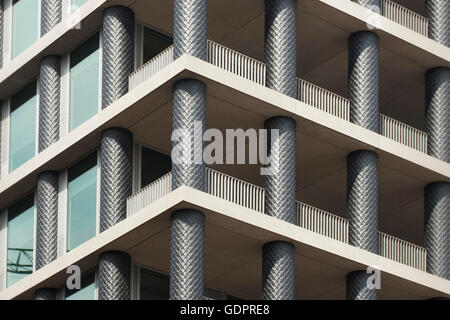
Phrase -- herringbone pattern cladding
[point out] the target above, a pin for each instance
(116, 175)
(46, 218)
(357, 287)
(280, 184)
(114, 276)
(189, 108)
(187, 255)
(1, 33)
(437, 119)
(438, 14)
(363, 79)
(118, 52)
(45, 294)
(372, 4)
(51, 14)
(190, 28)
(437, 228)
(49, 101)
(362, 199)
(280, 45)
(278, 271)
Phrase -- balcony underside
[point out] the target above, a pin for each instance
(234, 237)
(322, 145)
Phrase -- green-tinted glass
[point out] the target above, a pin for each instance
(24, 25)
(84, 81)
(22, 139)
(154, 43)
(87, 290)
(153, 166)
(77, 3)
(82, 202)
(20, 240)
(153, 286)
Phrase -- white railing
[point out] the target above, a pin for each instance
(236, 63)
(150, 68)
(322, 222)
(403, 133)
(323, 99)
(149, 194)
(402, 251)
(235, 190)
(404, 17)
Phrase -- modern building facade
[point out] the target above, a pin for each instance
(94, 94)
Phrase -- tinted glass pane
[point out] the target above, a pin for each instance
(77, 3)
(154, 43)
(24, 25)
(87, 291)
(84, 82)
(22, 138)
(20, 240)
(153, 166)
(82, 202)
(153, 286)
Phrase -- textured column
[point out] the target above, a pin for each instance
(362, 199)
(45, 294)
(190, 28)
(278, 271)
(374, 5)
(280, 45)
(46, 218)
(49, 101)
(437, 228)
(357, 288)
(118, 52)
(437, 118)
(438, 14)
(187, 255)
(114, 274)
(363, 79)
(1, 32)
(51, 14)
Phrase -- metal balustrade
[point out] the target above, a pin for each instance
(308, 217)
(402, 251)
(404, 17)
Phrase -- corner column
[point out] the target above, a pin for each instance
(48, 134)
(437, 12)
(1, 32)
(278, 257)
(362, 165)
(189, 109)
(116, 149)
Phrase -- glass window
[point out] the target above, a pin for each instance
(154, 43)
(77, 3)
(82, 202)
(87, 290)
(84, 81)
(24, 25)
(153, 286)
(22, 140)
(153, 165)
(20, 240)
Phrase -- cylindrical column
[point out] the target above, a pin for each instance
(51, 15)
(437, 118)
(49, 101)
(118, 52)
(363, 79)
(45, 294)
(190, 28)
(114, 274)
(188, 168)
(437, 228)
(280, 45)
(187, 255)
(278, 271)
(116, 149)
(357, 287)
(374, 5)
(438, 13)
(1, 33)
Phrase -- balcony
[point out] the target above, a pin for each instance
(404, 17)
(313, 219)
(307, 92)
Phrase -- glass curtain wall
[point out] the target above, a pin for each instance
(25, 21)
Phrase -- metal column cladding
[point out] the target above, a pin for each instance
(375, 5)
(51, 15)
(438, 13)
(1, 32)
(357, 288)
(114, 274)
(437, 228)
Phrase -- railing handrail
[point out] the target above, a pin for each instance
(405, 17)
(143, 66)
